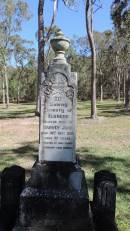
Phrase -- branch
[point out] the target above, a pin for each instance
(69, 6)
(55, 7)
(99, 6)
(48, 51)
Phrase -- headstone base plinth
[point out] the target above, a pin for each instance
(56, 199)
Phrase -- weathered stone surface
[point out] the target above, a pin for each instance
(58, 115)
(12, 183)
(58, 175)
(1, 225)
(60, 45)
(0, 190)
(104, 201)
(54, 225)
(54, 200)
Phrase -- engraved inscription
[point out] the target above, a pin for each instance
(57, 127)
(57, 131)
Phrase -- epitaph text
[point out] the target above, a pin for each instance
(57, 132)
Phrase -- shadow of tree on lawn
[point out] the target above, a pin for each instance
(97, 163)
(11, 156)
(27, 149)
(87, 161)
(115, 113)
(105, 109)
(28, 113)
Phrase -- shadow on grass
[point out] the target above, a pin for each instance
(107, 106)
(81, 116)
(11, 156)
(98, 163)
(107, 113)
(28, 103)
(87, 161)
(29, 113)
(27, 149)
(105, 109)
(115, 113)
(84, 107)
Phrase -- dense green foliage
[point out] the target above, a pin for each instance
(17, 79)
(112, 66)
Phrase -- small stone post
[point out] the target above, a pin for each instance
(104, 201)
(12, 183)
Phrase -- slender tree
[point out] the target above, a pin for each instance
(40, 50)
(42, 41)
(120, 12)
(89, 28)
(21, 54)
(13, 13)
(5, 87)
(3, 91)
(127, 93)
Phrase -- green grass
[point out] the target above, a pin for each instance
(24, 110)
(18, 135)
(105, 144)
(102, 144)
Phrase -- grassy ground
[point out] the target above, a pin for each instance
(101, 144)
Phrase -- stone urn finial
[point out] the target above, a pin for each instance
(60, 45)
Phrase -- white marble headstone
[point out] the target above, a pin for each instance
(58, 117)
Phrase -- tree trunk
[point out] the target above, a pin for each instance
(101, 86)
(127, 96)
(18, 91)
(124, 88)
(7, 87)
(114, 93)
(89, 19)
(118, 88)
(3, 91)
(101, 98)
(20, 70)
(40, 51)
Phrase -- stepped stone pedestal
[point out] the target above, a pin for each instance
(56, 198)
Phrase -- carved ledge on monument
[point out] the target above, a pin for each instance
(18, 228)
(61, 177)
(65, 67)
(80, 224)
(59, 207)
